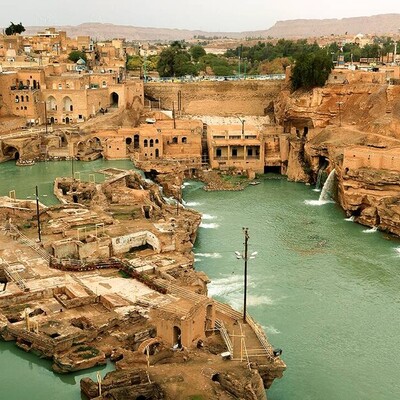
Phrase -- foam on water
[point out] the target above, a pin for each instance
(208, 255)
(397, 250)
(230, 290)
(259, 300)
(208, 216)
(372, 230)
(270, 330)
(213, 225)
(316, 190)
(350, 219)
(317, 202)
(192, 203)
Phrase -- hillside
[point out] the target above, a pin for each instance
(102, 31)
(300, 28)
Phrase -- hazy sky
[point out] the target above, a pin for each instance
(209, 15)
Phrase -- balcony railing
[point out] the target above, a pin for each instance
(25, 88)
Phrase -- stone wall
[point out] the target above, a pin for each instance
(217, 98)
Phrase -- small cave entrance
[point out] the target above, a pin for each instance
(146, 211)
(11, 153)
(128, 141)
(152, 174)
(215, 378)
(276, 169)
(141, 397)
(75, 198)
(323, 162)
(145, 246)
(3, 281)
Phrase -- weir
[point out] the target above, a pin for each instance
(326, 193)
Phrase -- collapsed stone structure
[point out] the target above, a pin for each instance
(113, 277)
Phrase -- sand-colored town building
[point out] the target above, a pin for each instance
(245, 147)
(64, 97)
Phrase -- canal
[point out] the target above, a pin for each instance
(325, 289)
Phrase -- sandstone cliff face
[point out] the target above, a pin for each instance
(372, 196)
(367, 123)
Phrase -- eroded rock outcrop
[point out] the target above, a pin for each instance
(354, 129)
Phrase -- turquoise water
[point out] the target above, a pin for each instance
(325, 291)
(23, 376)
(24, 179)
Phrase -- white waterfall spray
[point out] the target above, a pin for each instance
(326, 193)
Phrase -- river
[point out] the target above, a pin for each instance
(325, 289)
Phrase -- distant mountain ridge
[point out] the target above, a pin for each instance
(302, 28)
(299, 28)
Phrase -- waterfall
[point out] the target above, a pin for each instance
(319, 179)
(326, 193)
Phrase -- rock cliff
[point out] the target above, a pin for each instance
(354, 128)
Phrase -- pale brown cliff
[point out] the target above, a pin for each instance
(353, 128)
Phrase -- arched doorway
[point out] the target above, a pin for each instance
(209, 318)
(136, 141)
(114, 98)
(11, 153)
(94, 144)
(67, 104)
(52, 120)
(157, 153)
(67, 120)
(51, 104)
(177, 340)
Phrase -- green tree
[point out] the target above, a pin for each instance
(219, 65)
(196, 52)
(76, 55)
(14, 28)
(134, 62)
(311, 69)
(175, 61)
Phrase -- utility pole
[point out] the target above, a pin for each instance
(37, 214)
(145, 66)
(339, 104)
(173, 113)
(180, 102)
(245, 256)
(246, 239)
(242, 122)
(240, 55)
